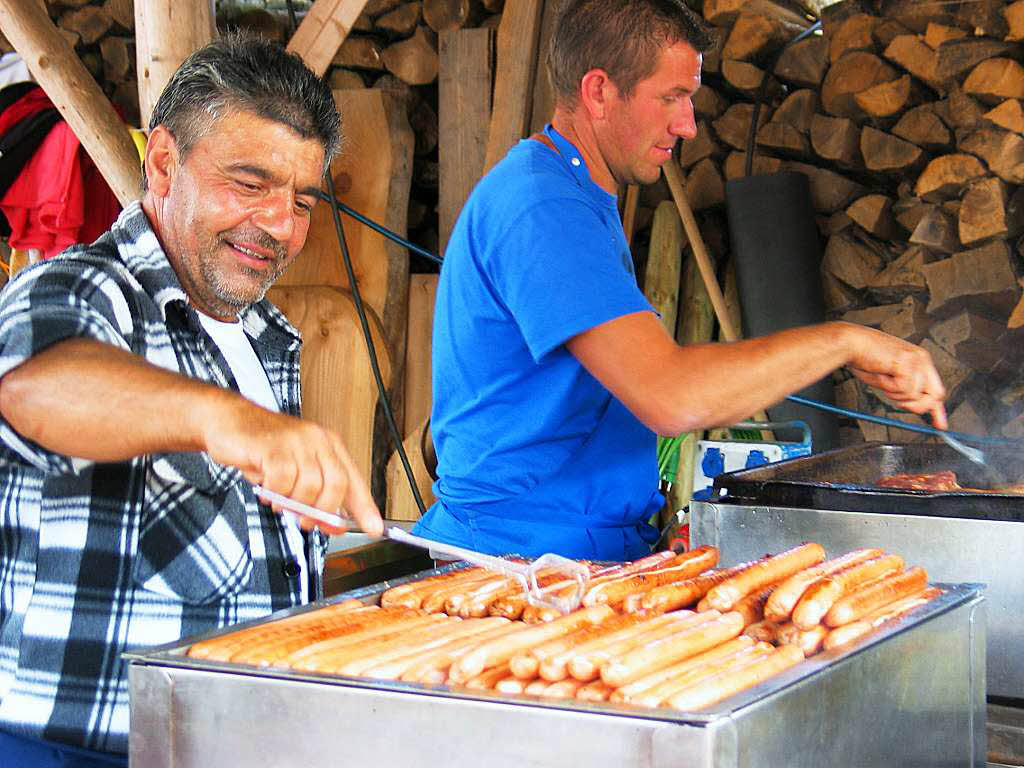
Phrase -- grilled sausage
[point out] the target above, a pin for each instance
(433, 669)
(411, 594)
(684, 567)
(476, 630)
(780, 605)
(858, 604)
(822, 594)
(770, 571)
(527, 664)
(808, 640)
(736, 679)
(672, 597)
(855, 629)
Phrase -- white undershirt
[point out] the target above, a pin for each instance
(253, 383)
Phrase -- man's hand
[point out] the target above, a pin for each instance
(901, 371)
(292, 457)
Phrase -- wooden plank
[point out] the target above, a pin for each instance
(166, 33)
(418, 397)
(661, 276)
(513, 84)
(338, 389)
(323, 30)
(543, 94)
(629, 209)
(75, 94)
(419, 448)
(464, 115)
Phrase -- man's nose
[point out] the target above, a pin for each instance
(684, 125)
(276, 216)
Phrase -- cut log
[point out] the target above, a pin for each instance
(419, 449)
(994, 80)
(851, 262)
(345, 79)
(838, 298)
(1014, 14)
(447, 15)
(887, 31)
(736, 163)
(830, 191)
(517, 41)
(855, 72)
(747, 79)
(803, 64)
(902, 277)
(945, 176)
(887, 153)
(708, 104)
(701, 146)
(413, 61)
(873, 213)
(911, 53)
(724, 13)
(338, 390)
(873, 317)
(464, 112)
(910, 323)
(908, 212)
(754, 38)
(960, 111)
(118, 62)
(784, 139)
(1002, 151)
(953, 373)
(886, 99)
(374, 8)
(854, 33)
(425, 125)
(957, 57)
(323, 29)
(917, 15)
(981, 276)
(798, 109)
(969, 338)
(1008, 115)
(921, 126)
(420, 322)
(937, 34)
(987, 211)
(833, 224)
(836, 139)
(359, 51)
(936, 231)
(402, 21)
(90, 23)
(704, 186)
(849, 395)
(122, 12)
(661, 275)
(984, 17)
(733, 127)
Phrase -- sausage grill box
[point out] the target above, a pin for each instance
(831, 498)
(912, 693)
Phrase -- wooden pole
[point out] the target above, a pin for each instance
(629, 211)
(166, 32)
(323, 30)
(75, 94)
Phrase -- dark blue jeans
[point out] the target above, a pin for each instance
(21, 752)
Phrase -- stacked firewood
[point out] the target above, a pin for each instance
(907, 118)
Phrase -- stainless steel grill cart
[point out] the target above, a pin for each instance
(911, 694)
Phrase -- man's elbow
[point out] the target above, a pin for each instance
(672, 418)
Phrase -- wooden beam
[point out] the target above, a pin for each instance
(323, 30)
(166, 33)
(78, 98)
(513, 85)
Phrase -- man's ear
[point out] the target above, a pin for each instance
(162, 161)
(596, 91)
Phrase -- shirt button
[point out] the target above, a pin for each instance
(575, 161)
(291, 568)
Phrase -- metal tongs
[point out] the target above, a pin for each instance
(524, 573)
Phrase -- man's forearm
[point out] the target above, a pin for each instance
(87, 399)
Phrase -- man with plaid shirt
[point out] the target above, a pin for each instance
(145, 385)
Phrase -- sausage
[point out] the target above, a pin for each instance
(671, 597)
(630, 691)
(855, 629)
(784, 598)
(433, 668)
(736, 679)
(310, 657)
(808, 640)
(597, 690)
(425, 638)
(411, 594)
(751, 607)
(684, 567)
(872, 596)
(510, 685)
(535, 687)
(500, 650)
(763, 631)
(488, 678)
(479, 601)
(392, 669)
(769, 571)
(435, 602)
(665, 651)
(527, 664)
(656, 695)
(585, 664)
(822, 594)
(563, 689)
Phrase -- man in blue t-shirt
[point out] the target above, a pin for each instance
(552, 373)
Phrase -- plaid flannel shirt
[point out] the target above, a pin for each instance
(101, 558)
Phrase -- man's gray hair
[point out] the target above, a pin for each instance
(245, 73)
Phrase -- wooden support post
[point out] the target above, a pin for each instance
(629, 211)
(71, 88)
(166, 33)
(323, 30)
(513, 85)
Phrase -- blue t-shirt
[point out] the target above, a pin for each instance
(534, 454)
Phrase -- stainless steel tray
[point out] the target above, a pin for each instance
(191, 713)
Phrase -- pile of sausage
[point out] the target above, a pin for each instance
(664, 631)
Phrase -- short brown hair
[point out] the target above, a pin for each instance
(622, 37)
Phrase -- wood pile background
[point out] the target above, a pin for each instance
(906, 115)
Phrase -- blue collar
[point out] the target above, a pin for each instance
(574, 160)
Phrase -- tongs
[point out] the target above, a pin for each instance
(523, 573)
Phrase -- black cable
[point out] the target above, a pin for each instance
(393, 236)
(370, 347)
